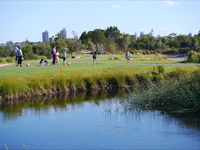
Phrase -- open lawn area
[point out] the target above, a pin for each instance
(111, 69)
(84, 65)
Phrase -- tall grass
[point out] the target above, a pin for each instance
(177, 94)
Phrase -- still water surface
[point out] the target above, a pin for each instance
(96, 124)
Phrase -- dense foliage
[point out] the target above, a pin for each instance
(110, 40)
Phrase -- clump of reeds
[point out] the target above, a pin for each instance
(181, 93)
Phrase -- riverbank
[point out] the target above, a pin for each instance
(179, 96)
(82, 76)
(107, 80)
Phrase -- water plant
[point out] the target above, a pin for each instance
(180, 94)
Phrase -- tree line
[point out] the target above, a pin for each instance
(110, 40)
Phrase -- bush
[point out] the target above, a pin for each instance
(7, 60)
(2, 60)
(161, 69)
(10, 59)
(193, 57)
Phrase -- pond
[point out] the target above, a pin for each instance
(178, 58)
(94, 122)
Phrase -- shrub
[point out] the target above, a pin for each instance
(161, 69)
(193, 57)
(116, 58)
(177, 74)
(2, 60)
(10, 59)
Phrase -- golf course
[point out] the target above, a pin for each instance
(111, 71)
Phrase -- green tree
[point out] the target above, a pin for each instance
(112, 33)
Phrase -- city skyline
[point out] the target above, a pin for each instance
(164, 17)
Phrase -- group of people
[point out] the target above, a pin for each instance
(19, 55)
(127, 56)
(56, 54)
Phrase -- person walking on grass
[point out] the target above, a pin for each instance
(53, 52)
(19, 57)
(128, 56)
(94, 56)
(16, 49)
(64, 56)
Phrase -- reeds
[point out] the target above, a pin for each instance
(180, 93)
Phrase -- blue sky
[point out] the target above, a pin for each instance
(22, 20)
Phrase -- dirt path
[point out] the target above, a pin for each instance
(141, 64)
(152, 64)
(3, 65)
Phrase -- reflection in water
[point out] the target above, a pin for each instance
(107, 101)
(93, 121)
(12, 110)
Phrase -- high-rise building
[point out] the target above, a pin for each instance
(151, 33)
(63, 32)
(134, 37)
(10, 44)
(45, 36)
(141, 34)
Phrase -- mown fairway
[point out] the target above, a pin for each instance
(83, 65)
(112, 70)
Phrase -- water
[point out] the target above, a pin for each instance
(94, 123)
(178, 58)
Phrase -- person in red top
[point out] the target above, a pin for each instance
(57, 58)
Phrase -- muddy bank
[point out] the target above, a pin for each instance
(69, 91)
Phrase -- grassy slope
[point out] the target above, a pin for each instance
(18, 79)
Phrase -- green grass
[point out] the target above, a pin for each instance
(81, 72)
(180, 95)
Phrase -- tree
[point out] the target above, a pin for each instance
(124, 41)
(112, 33)
(84, 37)
(6, 51)
(111, 47)
(76, 45)
(98, 37)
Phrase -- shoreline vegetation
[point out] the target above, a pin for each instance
(179, 96)
(18, 83)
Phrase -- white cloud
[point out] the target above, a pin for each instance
(170, 2)
(116, 6)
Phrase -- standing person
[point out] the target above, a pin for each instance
(128, 56)
(20, 56)
(57, 58)
(64, 56)
(94, 56)
(16, 49)
(53, 52)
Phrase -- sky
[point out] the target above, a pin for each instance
(26, 20)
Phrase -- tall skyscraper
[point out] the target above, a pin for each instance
(63, 32)
(151, 33)
(141, 34)
(45, 36)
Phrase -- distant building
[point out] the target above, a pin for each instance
(151, 33)
(134, 37)
(158, 36)
(45, 36)
(141, 34)
(3, 44)
(63, 32)
(10, 44)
